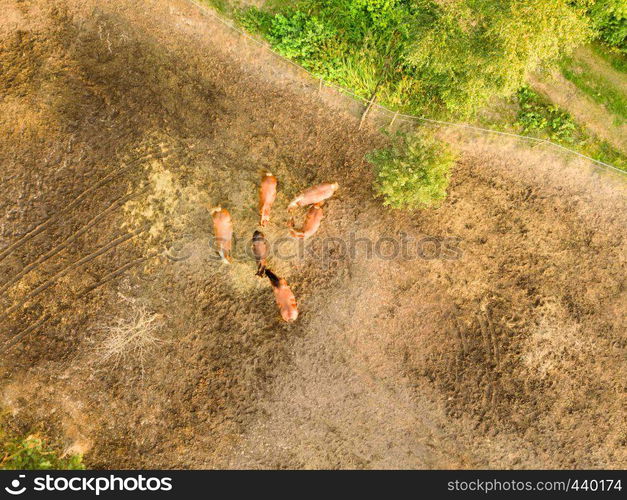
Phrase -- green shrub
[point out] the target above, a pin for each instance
(413, 173)
(299, 36)
(32, 453)
(254, 20)
(538, 116)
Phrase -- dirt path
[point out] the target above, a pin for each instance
(602, 68)
(497, 341)
(587, 112)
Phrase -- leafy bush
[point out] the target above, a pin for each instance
(536, 115)
(413, 173)
(32, 453)
(299, 36)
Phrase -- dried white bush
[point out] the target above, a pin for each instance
(129, 338)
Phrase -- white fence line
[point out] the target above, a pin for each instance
(229, 24)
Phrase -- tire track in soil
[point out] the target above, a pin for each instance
(23, 334)
(99, 184)
(70, 239)
(117, 174)
(115, 274)
(75, 265)
(47, 317)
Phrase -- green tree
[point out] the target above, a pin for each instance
(609, 21)
(475, 49)
(422, 56)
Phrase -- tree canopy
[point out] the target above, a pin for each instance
(432, 57)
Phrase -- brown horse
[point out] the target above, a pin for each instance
(311, 225)
(223, 230)
(260, 251)
(284, 297)
(267, 195)
(315, 194)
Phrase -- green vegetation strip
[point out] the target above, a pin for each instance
(444, 60)
(33, 453)
(597, 87)
(614, 58)
(540, 118)
(437, 59)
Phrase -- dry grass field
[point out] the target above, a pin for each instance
(497, 340)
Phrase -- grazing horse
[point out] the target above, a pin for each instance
(267, 195)
(284, 297)
(315, 194)
(260, 251)
(311, 225)
(223, 230)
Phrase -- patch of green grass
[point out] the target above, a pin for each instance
(598, 88)
(531, 114)
(540, 118)
(30, 451)
(605, 152)
(617, 60)
(222, 6)
(33, 453)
